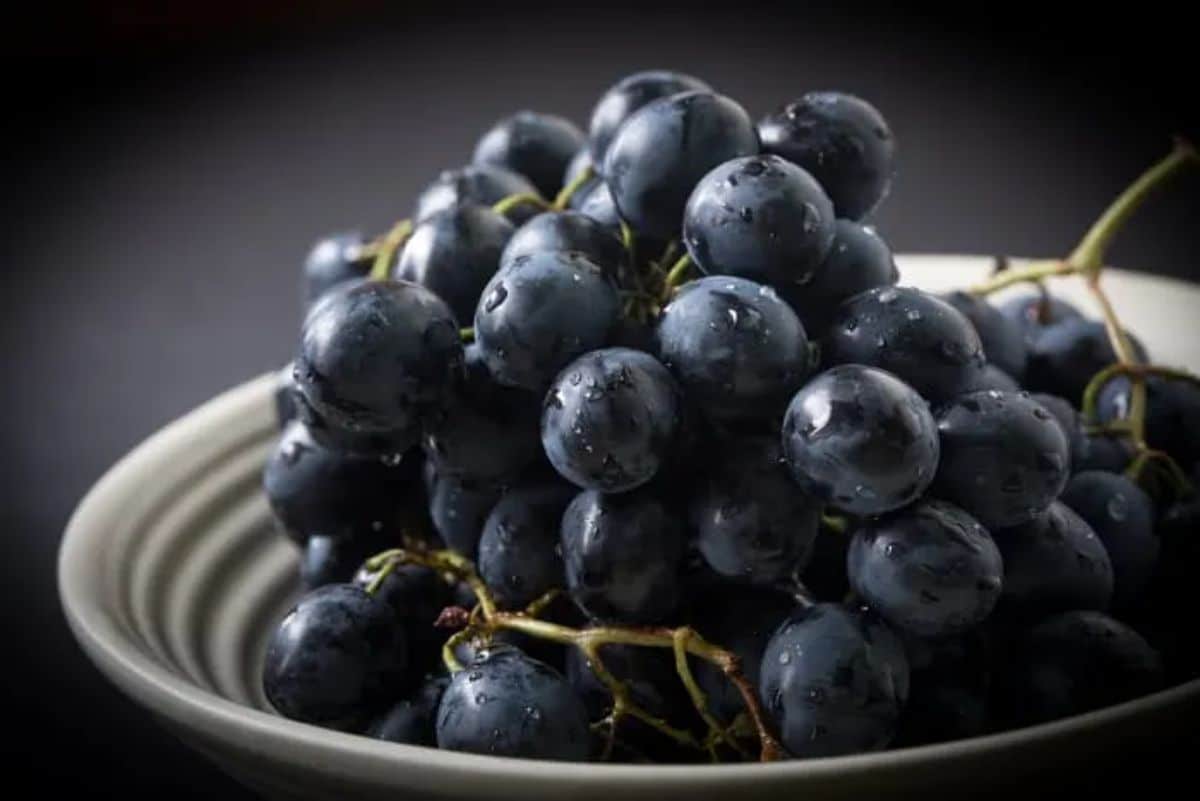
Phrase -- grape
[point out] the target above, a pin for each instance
(392, 444)
(458, 510)
(334, 260)
(507, 704)
(832, 683)
(411, 721)
(930, 569)
(741, 620)
(330, 560)
(1064, 357)
(1004, 458)
(1074, 663)
(761, 218)
(1035, 313)
(541, 311)
(923, 340)
(663, 150)
(597, 204)
(375, 356)
(1102, 452)
(623, 556)
(538, 146)
(1002, 337)
(518, 558)
(582, 160)
(1053, 563)
(570, 230)
(317, 490)
(454, 253)
(285, 397)
(335, 658)
(417, 596)
(1172, 412)
(480, 184)
(627, 96)
(858, 260)
(842, 140)
(993, 378)
(860, 439)
(750, 523)
(737, 350)
(486, 433)
(610, 419)
(1122, 516)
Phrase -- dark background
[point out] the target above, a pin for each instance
(167, 170)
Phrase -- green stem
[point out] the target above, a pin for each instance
(1088, 256)
(1034, 272)
(678, 272)
(507, 204)
(385, 250)
(716, 732)
(564, 197)
(628, 240)
(467, 335)
(835, 523)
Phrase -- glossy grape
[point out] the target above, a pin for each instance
(508, 704)
(930, 570)
(1172, 413)
(623, 556)
(536, 145)
(417, 596)
(1004, 458)
(1002, 337)
(570, 230)
(458, 509)
(518, 558)
(610, 419)
(412, 720)
(1053, 563)
(860, 439)
(858, 260)
(375, 356)
(736, 348)
(1064, 357)
(454, 253)
(923, 340)
(842, 140)
(663, 150)
(759, 217)
(541, 311)
(1122, 516)
(627, 96)
(318, 490)
(750, 521)
(335, 658)
(830, 685)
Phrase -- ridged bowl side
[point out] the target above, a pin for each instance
(172, 575)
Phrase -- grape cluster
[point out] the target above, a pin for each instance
(629, 445)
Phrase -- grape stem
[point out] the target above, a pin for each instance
(564, 197)
(678, 272)
(385, 249)
(1087, 261)
(685, 642)
(507, 204)
(467, 335)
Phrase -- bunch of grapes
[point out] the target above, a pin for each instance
(628, 445)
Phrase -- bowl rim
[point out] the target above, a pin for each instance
(166, 694)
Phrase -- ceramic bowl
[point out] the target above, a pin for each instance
(171, 576)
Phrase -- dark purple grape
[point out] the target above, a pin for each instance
(923, 340)
(860, 439)
(536, 145)
(1004, 458)
(1064, 357)
(411, 721)
(334, 260)
(1172, 413)
(627, 96)
(570, 230)
(842, 140)
(1003, 339)
(518, 550)
(480, 184)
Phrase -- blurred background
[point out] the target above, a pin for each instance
(168, 166)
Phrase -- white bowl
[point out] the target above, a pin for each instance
(171, 576)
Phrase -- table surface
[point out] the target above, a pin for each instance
(167, 205)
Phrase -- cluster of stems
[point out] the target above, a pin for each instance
(1087, 262)
(487, 618)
